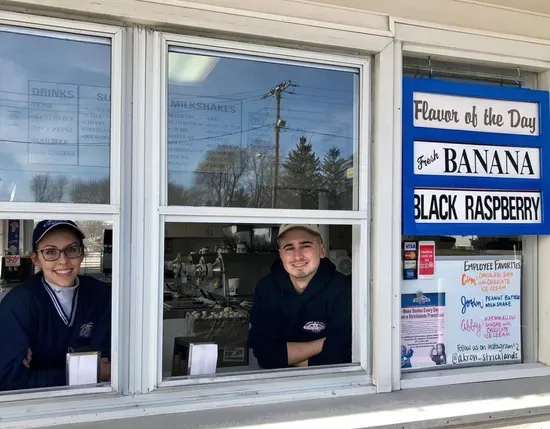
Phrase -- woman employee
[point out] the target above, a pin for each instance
(54, 312)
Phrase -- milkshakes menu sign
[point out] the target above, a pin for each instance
(474, 158)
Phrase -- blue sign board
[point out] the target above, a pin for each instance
(475, 159)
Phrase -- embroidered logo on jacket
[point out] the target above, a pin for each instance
(86, 330)
(314, 327)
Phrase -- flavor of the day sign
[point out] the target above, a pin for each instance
(474, 158)
(469, 313)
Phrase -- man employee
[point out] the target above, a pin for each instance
(301, 315)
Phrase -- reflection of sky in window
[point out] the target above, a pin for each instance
(320, 107)
(54, 111)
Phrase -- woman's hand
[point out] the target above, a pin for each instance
(28, 358)
(104, 370)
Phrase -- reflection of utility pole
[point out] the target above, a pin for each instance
(277, 92)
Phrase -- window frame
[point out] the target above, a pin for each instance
(158, 212)
(531, 275)
(112, 212)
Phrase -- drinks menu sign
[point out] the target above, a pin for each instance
(473, 159)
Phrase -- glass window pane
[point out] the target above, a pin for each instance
(467, 312)
(228, 286)
(55, 299)
(54, 119)
(253, 133)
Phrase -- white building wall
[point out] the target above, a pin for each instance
(527, 20)
(337, 24)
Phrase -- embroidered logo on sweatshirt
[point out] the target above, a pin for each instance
(86, 330)
(315, 327)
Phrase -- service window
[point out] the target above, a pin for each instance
(262, 132)
(56, 274)
(471, 163)
(55, 303)
(236, 287)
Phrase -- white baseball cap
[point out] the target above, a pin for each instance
(314, 229)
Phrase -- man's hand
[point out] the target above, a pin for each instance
(303, 363)
(28, 358)
(300, 352)
(105, 370)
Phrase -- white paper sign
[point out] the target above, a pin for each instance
(82, 368)
(471, 160)
(468, 206)
(469, 313)
(475, 114)
(203, 358)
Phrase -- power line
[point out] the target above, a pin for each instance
(56, 144)
(321, 134)
(321, 97)
(326, 89)
(81, 171)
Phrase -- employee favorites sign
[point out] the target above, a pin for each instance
(473, 158)
(469, 313)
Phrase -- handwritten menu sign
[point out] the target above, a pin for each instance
(204, 134)
(481, 319)
(471, 154)
(69, 124)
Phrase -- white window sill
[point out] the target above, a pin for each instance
(339, 402)
(472, 375)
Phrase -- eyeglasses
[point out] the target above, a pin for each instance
(71, 252)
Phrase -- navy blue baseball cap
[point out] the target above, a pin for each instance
(45, 226)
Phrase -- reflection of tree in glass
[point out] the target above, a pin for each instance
(93, 229)
(92, 191)
(260, 174)
(179, 195)
(335, 181)
(220, 184)
(301, 179)
(48, 189)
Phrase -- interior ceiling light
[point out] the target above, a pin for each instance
(188, 69)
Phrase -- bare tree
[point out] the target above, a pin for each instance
(48, 189)
(40, 184)
(58, 190)
(92, 191)
(219, 175)
(179, 195)
(93, 229)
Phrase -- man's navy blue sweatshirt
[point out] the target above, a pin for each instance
(30, 317)
(281, 315)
